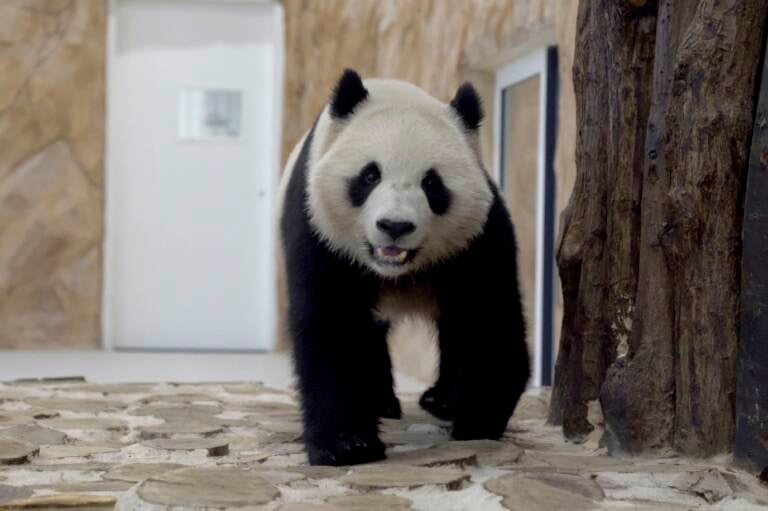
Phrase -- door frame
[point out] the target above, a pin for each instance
(107, 294)
(542, 63)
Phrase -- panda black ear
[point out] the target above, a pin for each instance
(467, 104)
(348, 93)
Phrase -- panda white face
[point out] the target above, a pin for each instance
(398, 185)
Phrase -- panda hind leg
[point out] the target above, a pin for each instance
(437, 400)
(388, 406)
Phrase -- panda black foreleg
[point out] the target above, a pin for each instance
(491, 375)
(479, 300)
(484, 322)
(335, 364)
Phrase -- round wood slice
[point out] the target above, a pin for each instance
(13, 453)
(215, 447)
(404, 476)
(208, 487)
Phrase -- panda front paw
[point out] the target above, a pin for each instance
(436, 402)
(390, 408)
(346, 449)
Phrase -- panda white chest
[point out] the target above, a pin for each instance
(399, 300)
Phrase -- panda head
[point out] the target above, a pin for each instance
(395, 180)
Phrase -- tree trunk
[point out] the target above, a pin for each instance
(597, 255)
(650, 250)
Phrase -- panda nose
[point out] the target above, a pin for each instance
(395, 229)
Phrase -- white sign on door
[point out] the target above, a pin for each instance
(210, 114)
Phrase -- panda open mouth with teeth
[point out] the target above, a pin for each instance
(392, 254)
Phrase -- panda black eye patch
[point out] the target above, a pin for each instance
(361, 186)
(438, 196)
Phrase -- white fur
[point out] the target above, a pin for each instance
(395, 302)
(406, 132)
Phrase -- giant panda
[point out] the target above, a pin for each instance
(387, 209)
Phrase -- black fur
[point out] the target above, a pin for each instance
(438, 196)
(349, 93)
(467, 104)
(484, 364)
(340, 352)
(361, 186)
(344, 378)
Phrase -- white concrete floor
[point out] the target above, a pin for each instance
(274, 369)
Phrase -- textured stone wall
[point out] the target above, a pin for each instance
(52, 92)
(436, 44)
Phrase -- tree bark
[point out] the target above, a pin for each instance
(650, 253)
(597, 256)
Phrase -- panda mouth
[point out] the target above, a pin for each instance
(392, 255)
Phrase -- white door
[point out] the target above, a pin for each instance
(192, 149)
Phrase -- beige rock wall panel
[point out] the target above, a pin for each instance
(52, 90)
(436, 44)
